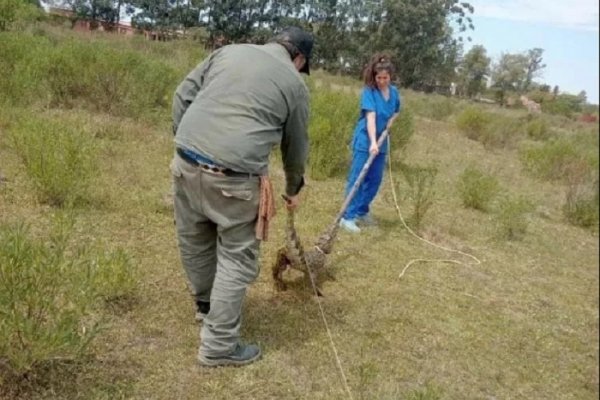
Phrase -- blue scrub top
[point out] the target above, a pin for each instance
(372, 100)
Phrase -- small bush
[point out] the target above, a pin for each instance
(501, 132)
(434, 107)
(51, 296)
(587, 143)
(16, 14)
(477, 189)
(333, 116)
(551, 160)
(511, 218)
(402, 130)
(59, 159)
(473, 121)
(538, 129)
(72, 73)
(421, 192)
(581, 206)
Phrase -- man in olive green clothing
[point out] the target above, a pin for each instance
(228, 114)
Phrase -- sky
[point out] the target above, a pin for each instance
(566, 30)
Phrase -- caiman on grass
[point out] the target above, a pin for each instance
(292, 255)
(312, 262)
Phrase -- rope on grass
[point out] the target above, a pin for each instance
(331, 342)
(413, 261)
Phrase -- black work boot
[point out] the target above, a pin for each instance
(242, 355)
(202, 309)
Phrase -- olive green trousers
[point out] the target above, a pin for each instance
(215, 219)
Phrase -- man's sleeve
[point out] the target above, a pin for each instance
(294, 146)
(187, 91)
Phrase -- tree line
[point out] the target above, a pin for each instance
(423, 37)
(426, 39)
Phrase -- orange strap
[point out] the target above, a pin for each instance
(266, 208)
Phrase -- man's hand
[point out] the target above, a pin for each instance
(291, 202)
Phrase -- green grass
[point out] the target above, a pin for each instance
(523, 324)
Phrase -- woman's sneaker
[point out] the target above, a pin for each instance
(366, 220)
(349, 225)
(242, 355)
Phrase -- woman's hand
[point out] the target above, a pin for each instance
(374, 149)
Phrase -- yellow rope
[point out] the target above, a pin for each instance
(411, 262)
(335, 352)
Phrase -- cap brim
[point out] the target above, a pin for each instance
(305, 69)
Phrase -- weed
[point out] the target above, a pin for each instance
(551, 160)
(434, 107)
(421, 191)
(511, 217)
(477, 189)
(402, 130)
(538, 129)
(333, 115)
(581, 205)
(501, 132)
(473, 122)
(59, 159)
(429, 392)
(74, 73)
(48, 292)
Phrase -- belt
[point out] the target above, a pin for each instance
(207, 165)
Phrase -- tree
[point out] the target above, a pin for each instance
(474, 70)
(95, 10)
(509, 74)
(419, 34)
(534, 66)
(15, 14)
(162, 15)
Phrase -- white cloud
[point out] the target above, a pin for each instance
(574, 14)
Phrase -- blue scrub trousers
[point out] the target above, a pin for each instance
(359, 206)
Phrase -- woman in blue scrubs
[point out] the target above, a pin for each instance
(379, 107)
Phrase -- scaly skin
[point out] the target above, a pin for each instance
(311, 262)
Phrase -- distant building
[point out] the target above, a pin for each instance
(87, 25)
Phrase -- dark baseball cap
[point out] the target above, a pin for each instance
(299, 38)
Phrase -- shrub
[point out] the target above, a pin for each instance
(51, 295)
(107, 80)
(402, 130)
(59, 159)
(473, 121)
(563, 104)
(434, 107)
(512, 218)
(74, 73)
(550, 160)
(581, 205)
(477, 189)
(501, 132)
(586, 144)
(538, 129)
(420, 191)
(16, 14)
(333, 116)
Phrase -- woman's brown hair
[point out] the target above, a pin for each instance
(378, 62)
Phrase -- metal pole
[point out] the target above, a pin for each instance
(360, 178)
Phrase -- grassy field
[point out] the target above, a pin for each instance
(521, 325)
